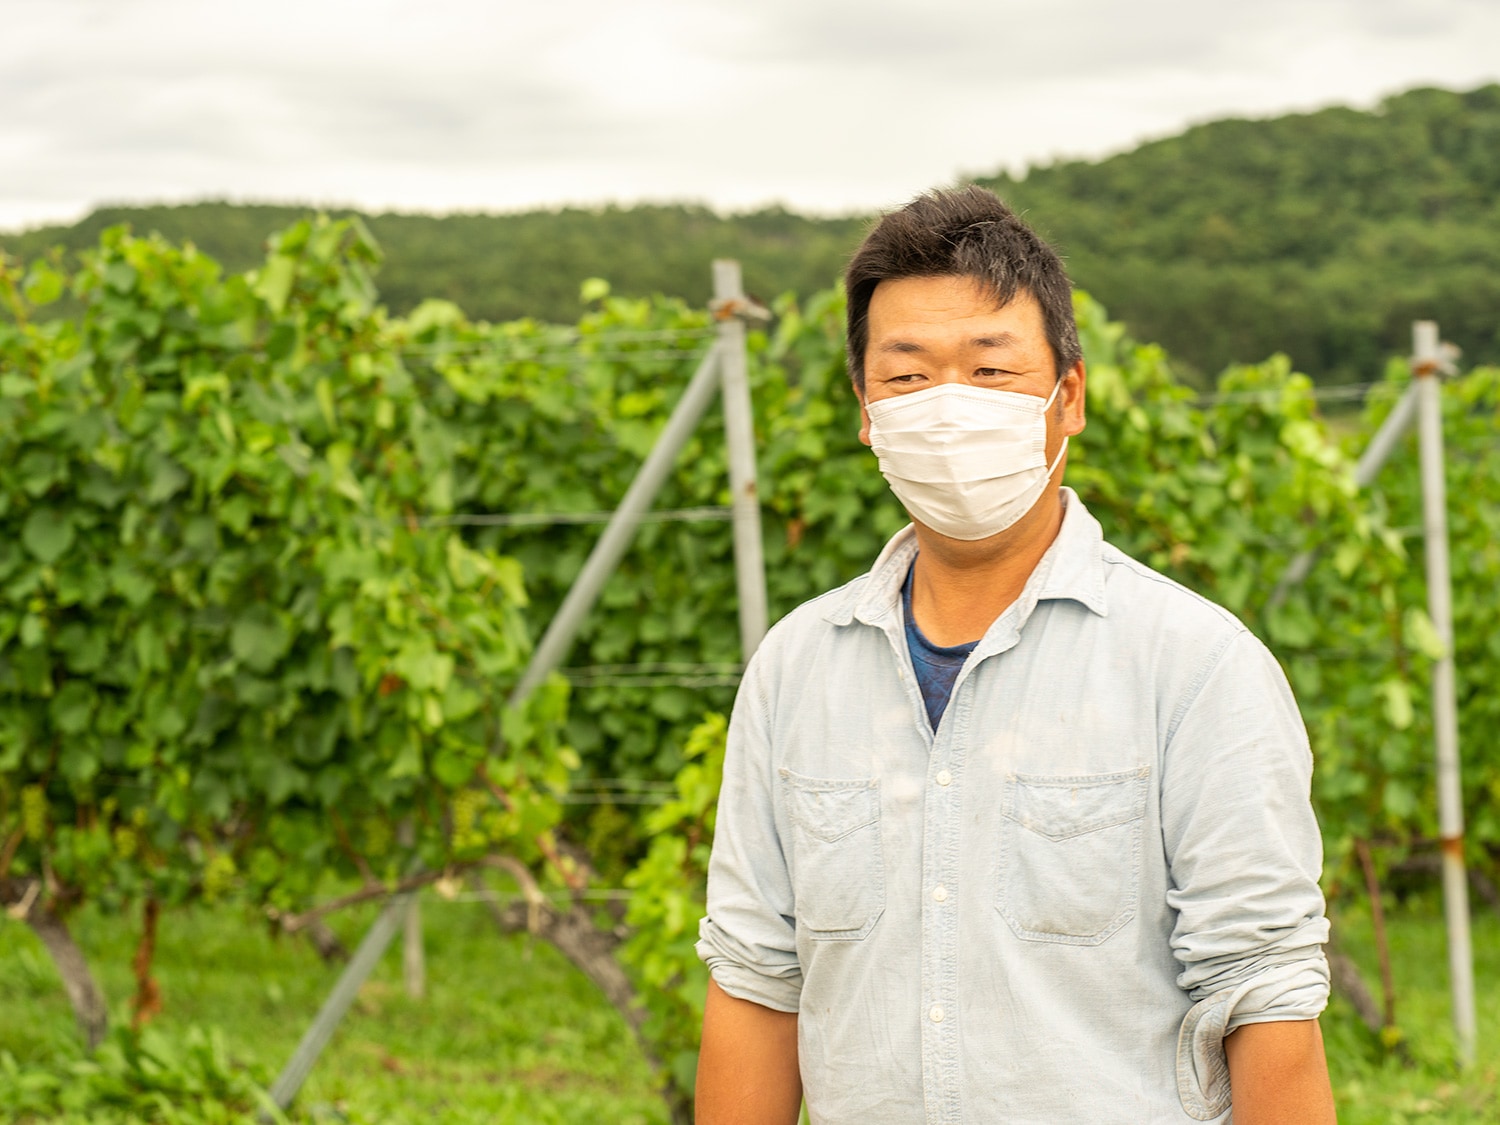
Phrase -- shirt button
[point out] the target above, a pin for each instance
(940, 894)
(944, 777)
(936, 1015)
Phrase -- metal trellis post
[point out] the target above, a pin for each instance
(730, 306)
(1427, 363)
(1422, 403)
(413, 957)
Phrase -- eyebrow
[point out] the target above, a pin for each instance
(910, 347)
(1003, 340)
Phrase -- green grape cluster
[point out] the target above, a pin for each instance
(378, 836)
(218, 875)
(465, 809)
(497, 824)
(34, 812)
(127, 841)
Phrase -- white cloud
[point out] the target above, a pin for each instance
(831, 106)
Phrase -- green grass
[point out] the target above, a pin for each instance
(509, 1032)
(1372, 1087)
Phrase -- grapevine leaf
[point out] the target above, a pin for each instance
(47, 534)
(120, 276)
(73, 706)
(259, 639)
(1398, 705)
(274, 285)
(43, 284)
(1424, 634)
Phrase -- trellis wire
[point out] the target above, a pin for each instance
(658, 681)
(664, 674)
(546, 519)
(572, 340)
(579, 360)
(664, 667)
(1332, 393)
(602, 894)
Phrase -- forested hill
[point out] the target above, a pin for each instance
(506, 266)
(1322, 235)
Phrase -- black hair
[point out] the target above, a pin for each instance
(965, 232)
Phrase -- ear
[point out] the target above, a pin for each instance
(1071, 399)
(864, 420)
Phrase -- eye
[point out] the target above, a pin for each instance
(993, 373)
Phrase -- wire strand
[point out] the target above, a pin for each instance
(578, 359)
(1333, 393)
(570, 338)
(545, 519)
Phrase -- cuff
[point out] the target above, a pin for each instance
(778, 987)
(1297, 991)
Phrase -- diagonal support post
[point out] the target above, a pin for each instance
(1371, 461)
(553, 647)
(622, 525)
(724, 363)
(336, 1006)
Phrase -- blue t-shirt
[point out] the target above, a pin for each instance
(936, 666)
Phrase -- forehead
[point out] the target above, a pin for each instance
(950, 311)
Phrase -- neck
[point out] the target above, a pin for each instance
(960, 587)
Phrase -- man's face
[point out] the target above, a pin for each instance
(927, 331)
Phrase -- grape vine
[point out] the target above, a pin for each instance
(254, 616)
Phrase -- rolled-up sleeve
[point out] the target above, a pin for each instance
(1243, 845)
(748, 939)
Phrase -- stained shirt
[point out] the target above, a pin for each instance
(935, 666)
(1053, 907)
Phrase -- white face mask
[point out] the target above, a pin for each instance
(966, 461)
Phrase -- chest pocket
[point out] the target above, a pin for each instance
(1070, 855)
(838, 874)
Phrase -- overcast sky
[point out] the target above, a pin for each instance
(824, 105)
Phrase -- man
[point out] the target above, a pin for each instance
(1013, 829)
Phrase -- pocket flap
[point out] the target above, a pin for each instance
(1062, 807)
(832, 808)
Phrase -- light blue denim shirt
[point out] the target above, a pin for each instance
(1053, 908)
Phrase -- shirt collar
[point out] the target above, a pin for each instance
(1077, 569)
(1072, 569)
